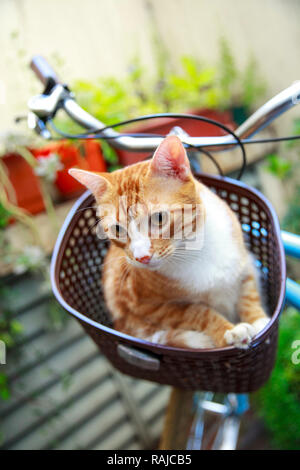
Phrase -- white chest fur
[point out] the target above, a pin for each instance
(215, 270)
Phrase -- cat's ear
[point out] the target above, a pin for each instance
(170, 159)
(95, 182)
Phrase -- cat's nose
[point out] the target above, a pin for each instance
(144, 259)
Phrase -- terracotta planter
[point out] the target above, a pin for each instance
(87, 156)
(26, 184)
(192, 127)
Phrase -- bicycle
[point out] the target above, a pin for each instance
(159, 363)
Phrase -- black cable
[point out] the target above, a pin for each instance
(91, 136)
(98, 134)
(66, 135)
(199, 150)
(272, 139)
(88, 135)
(205, 152)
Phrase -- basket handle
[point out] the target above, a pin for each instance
(138, 358)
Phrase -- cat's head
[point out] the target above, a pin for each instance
(151, 209)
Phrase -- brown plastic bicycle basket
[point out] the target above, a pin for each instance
(76, 281)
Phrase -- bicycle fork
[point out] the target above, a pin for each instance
(229, 413)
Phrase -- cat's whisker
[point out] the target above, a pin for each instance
(188, 253)
(123, 265)
(166, 255)
(112, 266)
(85, 209)
(124, 275)
(182, 258)
(171, 262)
(94, 225)
(182, 247)
(110, 260)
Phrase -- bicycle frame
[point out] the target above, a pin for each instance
(230, 413)
(57, 95)
(291, 243)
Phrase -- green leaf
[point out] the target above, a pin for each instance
(16, 327)
(109, 153)
(4, 393)
(278, 401)
(190, 66)
(7, 338)
(4, 389)
(4, 216)
(3, 379)
(278, 166)
(291, 220)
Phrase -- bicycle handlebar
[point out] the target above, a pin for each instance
(44, 71)
(60, 97)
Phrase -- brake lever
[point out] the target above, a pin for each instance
(46, 105)
(38, 125)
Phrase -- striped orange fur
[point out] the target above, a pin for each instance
(177, 271)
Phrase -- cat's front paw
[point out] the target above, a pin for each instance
(240, 335)
(259, 324)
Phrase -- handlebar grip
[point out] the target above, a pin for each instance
(44, 71)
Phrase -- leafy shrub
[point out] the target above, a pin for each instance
(196, 85)
(278, 402)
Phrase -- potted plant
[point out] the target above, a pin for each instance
(32, 173)
(218, 92)
(86, 155)
(21, 186)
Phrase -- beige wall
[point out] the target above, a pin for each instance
(98, 37)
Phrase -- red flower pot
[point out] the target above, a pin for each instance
(25, 183)
(164, 126)
(87, 156)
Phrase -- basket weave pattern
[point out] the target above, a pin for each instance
(76, 280)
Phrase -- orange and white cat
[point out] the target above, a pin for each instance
(177, 271)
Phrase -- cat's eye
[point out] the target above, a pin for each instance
(159, 218)
(118, 231)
